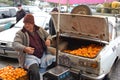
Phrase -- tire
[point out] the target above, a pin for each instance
(107, 77)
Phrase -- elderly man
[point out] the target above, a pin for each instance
(32, 42)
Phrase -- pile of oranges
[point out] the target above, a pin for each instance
(89, 51)
(11, 73)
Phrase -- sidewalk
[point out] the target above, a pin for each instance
(116, 72)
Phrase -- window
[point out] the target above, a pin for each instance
(7, 13)
(118, 29)
(110, 30)
(12, 12)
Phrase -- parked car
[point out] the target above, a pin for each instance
(90, 45)
(7, 17)
(8, 35)
(31, 9)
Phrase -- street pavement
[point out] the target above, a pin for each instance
(8, 61)
(116, 72)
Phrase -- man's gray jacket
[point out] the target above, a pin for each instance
(21, 40)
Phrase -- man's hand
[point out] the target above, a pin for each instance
(29, 50)
(47, 42)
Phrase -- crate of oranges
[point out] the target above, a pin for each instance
(12, 73)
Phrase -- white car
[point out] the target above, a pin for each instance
(7, 36)
(78, 33)
(31, 9)
(7, 17)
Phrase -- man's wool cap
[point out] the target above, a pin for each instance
(29, 18)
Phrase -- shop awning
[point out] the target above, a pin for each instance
(78, 1)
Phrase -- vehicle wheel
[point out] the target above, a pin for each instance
(107, 77)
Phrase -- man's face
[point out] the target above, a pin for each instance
(29, 27)
(19, 8)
